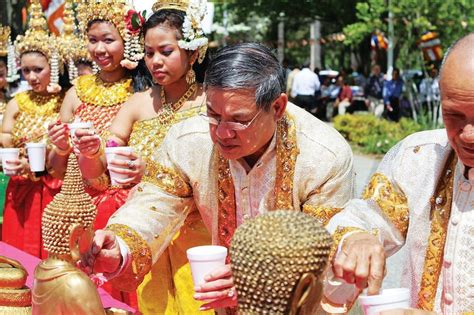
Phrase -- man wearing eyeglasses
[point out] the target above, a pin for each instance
(250, 153)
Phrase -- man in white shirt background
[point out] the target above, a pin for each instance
(305, 85)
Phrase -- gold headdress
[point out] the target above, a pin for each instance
(193, 35)
(4, 40)
(127, 21)
(72, 45)
(38, 39)
(270, 254)
(72, 206)
(181, 5)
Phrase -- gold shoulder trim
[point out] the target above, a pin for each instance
(322, 214)
(92, 90)
(287, 152)
(393, 204)
(141, 262)
(167, 179)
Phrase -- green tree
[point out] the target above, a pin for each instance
(451, 19)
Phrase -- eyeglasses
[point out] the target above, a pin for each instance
(232, 125)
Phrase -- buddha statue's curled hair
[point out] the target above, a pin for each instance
(270, 254)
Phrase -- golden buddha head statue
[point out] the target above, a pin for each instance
(68, 220)
(277, 261)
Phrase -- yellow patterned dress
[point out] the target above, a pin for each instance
(27, 196)
(168, 288)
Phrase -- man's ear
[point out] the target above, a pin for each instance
(279, 106)
(307, 289)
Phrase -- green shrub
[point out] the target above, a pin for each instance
(373, 135)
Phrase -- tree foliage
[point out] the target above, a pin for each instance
(451, 19)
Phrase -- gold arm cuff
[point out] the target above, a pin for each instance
(322, 214)
(141, 260)
(62, 152)
(167, 179)
(393, 204)
(96, 155)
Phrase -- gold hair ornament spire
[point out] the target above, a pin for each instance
(38, 39)
(72, 45)
(127, 21)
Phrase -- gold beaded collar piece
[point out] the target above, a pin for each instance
(92, 90)
(33, 103)
(176, 106)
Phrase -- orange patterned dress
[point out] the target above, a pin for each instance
(101, 102)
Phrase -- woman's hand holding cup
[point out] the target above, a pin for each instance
(86, 142)
(125, 166)
(58, 134)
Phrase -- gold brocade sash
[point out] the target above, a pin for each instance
(286, 154)
(440, 212)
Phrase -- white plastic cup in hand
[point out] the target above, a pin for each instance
(36, 156)
(9, 154)
(111, 154)
(388, 299)
(79, 125)
(205, 260)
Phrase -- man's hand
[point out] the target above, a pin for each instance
(361, 261)
(104, 254)
(218, 290)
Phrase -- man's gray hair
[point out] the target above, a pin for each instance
(248, 66)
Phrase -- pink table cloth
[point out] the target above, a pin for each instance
(30, 263)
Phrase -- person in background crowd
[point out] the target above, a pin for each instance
(392, 93)
(305, 85)
(344, 98)
(374, 91)
(429, 91)
(290, 80)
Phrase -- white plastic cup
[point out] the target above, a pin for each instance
(79, 125)
(204, 260)
(36, 156)
(111, 154)
(388, 299)
(9, 154)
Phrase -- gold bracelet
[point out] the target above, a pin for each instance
(96, 155)
(62, 152)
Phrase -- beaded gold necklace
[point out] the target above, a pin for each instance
(91, 89)
(33, 103)
(168, 110)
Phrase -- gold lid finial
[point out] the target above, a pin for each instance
(69, 207)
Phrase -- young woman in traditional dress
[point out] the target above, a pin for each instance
(142, 123)
(114, 45)
(25, 120)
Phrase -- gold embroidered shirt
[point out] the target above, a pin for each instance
(399, 202)
(184, 179)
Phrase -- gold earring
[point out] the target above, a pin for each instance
(191, 76)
